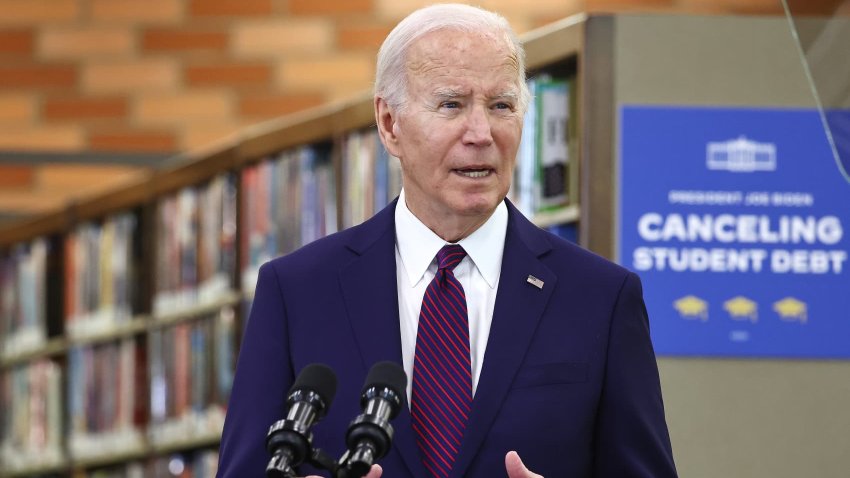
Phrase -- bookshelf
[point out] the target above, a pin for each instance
(123, 311)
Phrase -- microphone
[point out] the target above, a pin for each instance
(289, 440)
(370, 435)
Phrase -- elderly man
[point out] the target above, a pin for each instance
(517, 343)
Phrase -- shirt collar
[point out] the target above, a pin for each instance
(418, 245)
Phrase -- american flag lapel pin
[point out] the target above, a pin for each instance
(535, 281)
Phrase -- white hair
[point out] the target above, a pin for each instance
(391, 72)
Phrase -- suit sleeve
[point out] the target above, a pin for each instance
(631, 439)
(263, 377)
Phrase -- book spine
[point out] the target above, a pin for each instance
(552, 147)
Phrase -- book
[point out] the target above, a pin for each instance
(196, 240)
(23, 308)
(32, 429)
(288, 200)
(103, 389)
(371, 178)
(552, 145)
(99, 267)
(217, 238)
(192, 364)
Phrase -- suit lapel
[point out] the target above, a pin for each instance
(519, 306)
(369, 289)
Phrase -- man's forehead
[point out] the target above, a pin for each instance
(445, 46)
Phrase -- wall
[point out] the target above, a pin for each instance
(168, 75)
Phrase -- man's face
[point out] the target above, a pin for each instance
(458, 135)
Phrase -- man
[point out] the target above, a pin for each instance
(516, 342)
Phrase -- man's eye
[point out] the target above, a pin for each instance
(450, 104)
(503, 106)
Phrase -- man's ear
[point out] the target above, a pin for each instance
(386, 119)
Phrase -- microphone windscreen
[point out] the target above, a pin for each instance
(389, 375)
(318, 378)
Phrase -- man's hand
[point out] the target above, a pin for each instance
(375, 472)
(515, 467)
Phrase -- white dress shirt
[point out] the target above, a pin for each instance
(416, 248)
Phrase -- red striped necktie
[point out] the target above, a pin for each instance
(442, 378)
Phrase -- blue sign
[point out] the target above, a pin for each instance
(737, 222)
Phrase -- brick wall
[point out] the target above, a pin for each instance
(172, 75)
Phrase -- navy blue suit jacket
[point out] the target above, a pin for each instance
(569, 378)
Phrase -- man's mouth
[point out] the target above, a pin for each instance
(474, 173)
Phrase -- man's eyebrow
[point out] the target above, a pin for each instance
(447, 92)
(506, 95)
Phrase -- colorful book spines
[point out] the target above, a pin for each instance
(196, 242)
(103, 390)
(99, 284)
(32, 415)
(189, 389)
(371, 178)
(287, 201)
(23, 287)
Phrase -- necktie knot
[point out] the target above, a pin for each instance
(450, 256)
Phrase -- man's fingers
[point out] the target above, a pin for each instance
(515, 467)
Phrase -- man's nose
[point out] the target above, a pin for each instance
(478, 131)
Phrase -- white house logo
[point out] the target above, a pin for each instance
(740, 156)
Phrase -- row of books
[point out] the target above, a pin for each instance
(31, 415)
(23, 323)
(191, 366)
(99, 275)
(106, 385)
(195, 245)
(290, 200)
(371, 177)
(287, 201)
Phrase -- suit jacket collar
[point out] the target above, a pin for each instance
(369, 289)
